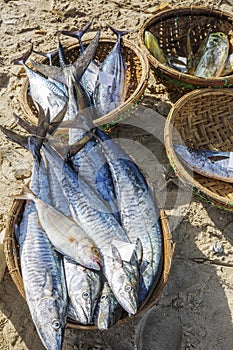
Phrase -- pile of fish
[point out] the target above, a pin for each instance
(212, 59)
(213, 164)
(91, 243)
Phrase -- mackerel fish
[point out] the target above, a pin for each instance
(110, 89)
(214, 164)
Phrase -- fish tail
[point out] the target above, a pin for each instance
(120, 33)
(25, 194)
(77, 33)
(25, 125)
(48, 55)
(22, 60)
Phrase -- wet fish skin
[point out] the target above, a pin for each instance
(110, 89)
(213, 164)
(122, 284)
(87, 208)
(214, 56)
(83, 287)
(67, 237)
(108, 310)
(138, 210)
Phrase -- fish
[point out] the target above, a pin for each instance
(228, 67)
(153, 46)
(89, 77)
(41, 266)
(215, 53)
(213, 164)
(121, 283)
(44, 92)
(66, 236)
(83, 290)
(111, 88)
(108, 310)
(139, 212)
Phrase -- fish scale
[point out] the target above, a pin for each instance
(138, 210)
(86, 207)
(42, 274)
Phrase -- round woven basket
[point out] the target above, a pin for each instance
(170, 28)
(137, 74)
(11, 250)
(202, 119)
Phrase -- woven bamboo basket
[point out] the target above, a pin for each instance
(202, 119)
(170, 28)
(137, 74)
(11, 250)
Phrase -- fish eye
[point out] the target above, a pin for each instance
(56, 324)
(95, 251)
(85, 295)
(103, 297)
(128, 288)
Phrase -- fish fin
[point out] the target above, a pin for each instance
(53, 72)
(116, 256)
(23, 59)
(25, 125)
(49, 55)
(54, 124)
(25, 194)
(120, 33)
(13, 136)
(84, 60)
(77, 33)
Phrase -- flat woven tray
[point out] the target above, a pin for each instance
(11, 250)
(170, 28)
(202, 119)
(137, 74)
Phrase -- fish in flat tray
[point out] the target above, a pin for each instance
(215, 53)
(214, 164)
(111, 88)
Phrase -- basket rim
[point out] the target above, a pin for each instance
(12, 260)
(108, 118)
(186, 78)
(176, 164)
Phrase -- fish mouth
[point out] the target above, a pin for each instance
(98, 263)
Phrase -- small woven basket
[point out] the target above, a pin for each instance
(137, 74)
(170, 27)
(202, 119)
(11, 250)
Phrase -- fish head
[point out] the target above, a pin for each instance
(125, 290)
(90, 255)
(50, 322)
(84, 296)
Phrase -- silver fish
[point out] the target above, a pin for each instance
(87, 208)
(121, 283)
(214, 164)
(42, 271)
(138, 210)
(83, 289)
(110, 89)
(66, 236)
(108, 310)
(90, 75)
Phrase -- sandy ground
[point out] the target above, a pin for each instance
(196, 308)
